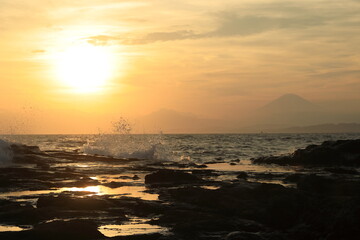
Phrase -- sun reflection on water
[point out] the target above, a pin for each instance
(135, 226)
(131, 191)
(130, 229)
(94, 189)
(8, 228)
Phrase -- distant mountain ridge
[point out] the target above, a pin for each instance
(286, 111)
(290, 102)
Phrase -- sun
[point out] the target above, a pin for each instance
(84, 68)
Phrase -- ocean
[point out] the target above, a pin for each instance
(198, 148)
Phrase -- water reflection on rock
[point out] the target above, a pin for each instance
(136, 226)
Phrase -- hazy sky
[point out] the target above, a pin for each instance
(211, 58)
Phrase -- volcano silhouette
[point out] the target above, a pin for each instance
(289, 103)
(288, 110)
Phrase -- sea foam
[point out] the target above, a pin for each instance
(128, 146)
(6, 154)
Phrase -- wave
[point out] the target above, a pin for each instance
(148, 147)
(6, 154)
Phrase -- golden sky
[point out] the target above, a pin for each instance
(75, 65)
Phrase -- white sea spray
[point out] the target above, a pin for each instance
(121, 143)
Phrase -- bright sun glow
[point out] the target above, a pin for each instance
(94, 189)
(85, 68)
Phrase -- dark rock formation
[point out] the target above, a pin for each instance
(243, 236)
(342, 152)
(293, 178)
(171, 177)
(269, 204)
(242, 175)
(329, 186)
(340, 170)
(58, 230)
(64, 201)
(197, 204)
(74, 229)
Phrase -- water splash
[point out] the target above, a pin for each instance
(128, 146)
(123, 144)
(122, 126)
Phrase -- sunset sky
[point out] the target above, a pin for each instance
(75, 66)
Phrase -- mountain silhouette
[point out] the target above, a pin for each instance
(287, 111)
(290, 103)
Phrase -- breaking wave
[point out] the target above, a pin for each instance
(6, 154)
(123, 144)
(149, 147)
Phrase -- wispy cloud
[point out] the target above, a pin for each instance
(242, 22)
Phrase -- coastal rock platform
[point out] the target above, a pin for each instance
(67, 195)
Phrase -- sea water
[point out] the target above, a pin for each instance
(197, 148)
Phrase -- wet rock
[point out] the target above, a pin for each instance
(242, 175)
(346, 223)
(24, 215)
(58, 230)
(83, 182)
(64, 201)
(243, 236)
(341, 152)
(268, 175)
(69, 229)
(24, 178)
(329, 186)
(113, 184)
(200, 166)
(186, 165)
(139, 207)
(24, 149)
(41, 179)
(171, 177)
(293, 178)
(279, 160)
(205, 172)
(16, 213)
(315, 184)
(339, 170)
(154, 236)
(43, 166)
(270, 204)
(28, 154)
(215, 223)
(135, 177)
(329, 218)
(301, 232)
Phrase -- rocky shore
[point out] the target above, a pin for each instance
(57, 195)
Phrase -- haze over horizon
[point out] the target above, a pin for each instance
(77, 66)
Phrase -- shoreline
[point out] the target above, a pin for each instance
(185, 201)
